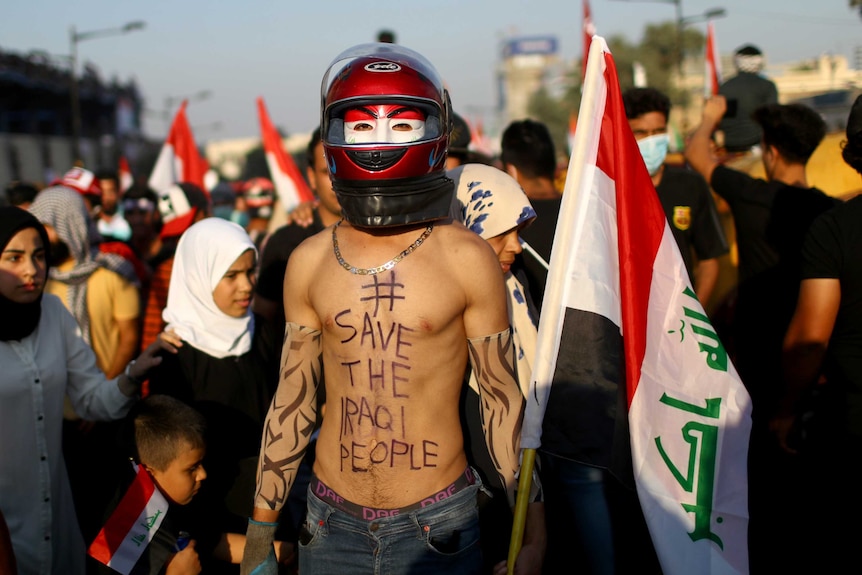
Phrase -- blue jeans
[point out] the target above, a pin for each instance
(440, 538)
(578, 516)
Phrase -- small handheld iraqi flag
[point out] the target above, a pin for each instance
(618, 295)
(132, 525)
(290, 186)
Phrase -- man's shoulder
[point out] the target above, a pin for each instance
(294, 230)
(306, 248)
(52, 304)
(457, 233)
(468, 257)
(288, 236)
(679, 175)
(104, 277)
(726, 180)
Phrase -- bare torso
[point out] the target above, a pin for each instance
(394, 354)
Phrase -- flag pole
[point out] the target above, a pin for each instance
(528, 460)
(536, 255)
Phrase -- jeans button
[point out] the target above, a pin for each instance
(374, 527)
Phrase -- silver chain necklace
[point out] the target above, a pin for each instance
(388, 265)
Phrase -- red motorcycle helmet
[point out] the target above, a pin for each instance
(386, 183)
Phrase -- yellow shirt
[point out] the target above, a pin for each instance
(110, 298)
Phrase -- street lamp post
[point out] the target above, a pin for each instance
(681, 23)
(74, 38)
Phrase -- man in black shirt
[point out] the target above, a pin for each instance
(771, 218)
(825, 339)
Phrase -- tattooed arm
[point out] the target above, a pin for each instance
(286, 433)
(502, 405)
(290, 422)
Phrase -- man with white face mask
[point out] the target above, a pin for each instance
(684, 194)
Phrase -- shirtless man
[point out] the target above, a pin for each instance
(388, 303)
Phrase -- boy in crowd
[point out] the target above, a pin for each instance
(169, 444)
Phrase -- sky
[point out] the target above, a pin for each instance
(280, 49)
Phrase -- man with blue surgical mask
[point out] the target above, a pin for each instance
(684, 194)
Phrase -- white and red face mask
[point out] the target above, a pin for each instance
(384, 124)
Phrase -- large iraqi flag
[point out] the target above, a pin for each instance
(290, 186)
(618, 296)
(179, 159)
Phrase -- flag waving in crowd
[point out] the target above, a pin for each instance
(125, 174)
(712, 75)
(618, 291)
(179, 159)
(290, 186)
(479, 140)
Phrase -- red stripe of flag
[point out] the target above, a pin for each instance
(640, 224)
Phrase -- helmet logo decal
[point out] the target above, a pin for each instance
(332, 167)
(382, 67)
(432, 158)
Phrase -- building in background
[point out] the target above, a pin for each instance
(36, 118)
(527, 64)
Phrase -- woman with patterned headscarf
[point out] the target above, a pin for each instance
(492, 204)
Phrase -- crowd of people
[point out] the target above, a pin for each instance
(344, 392)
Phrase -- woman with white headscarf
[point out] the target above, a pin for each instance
(227, 368)
(491, 203)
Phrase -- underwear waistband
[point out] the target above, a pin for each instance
(324, 493)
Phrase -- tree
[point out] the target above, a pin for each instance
(660, 46)
(555, 113)
(658, 52)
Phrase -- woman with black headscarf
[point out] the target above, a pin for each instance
(42, 359)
